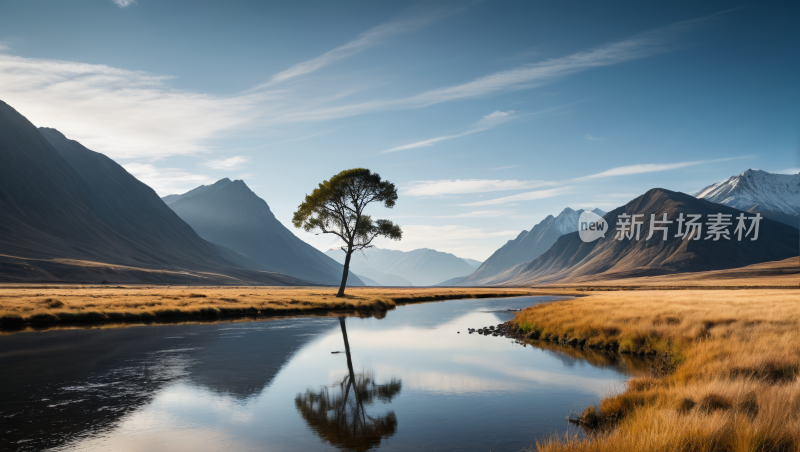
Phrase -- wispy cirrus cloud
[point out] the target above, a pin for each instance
(364, 41)
(591, 138)
(231, 163)
(524, 77)
(489, 121)
(639, 169)
(464, 186)
(504, 167)
(137, 115)
(166, 181)
(124, 3)
(526, 196)
(651, 168)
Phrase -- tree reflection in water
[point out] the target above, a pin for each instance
(339, 417)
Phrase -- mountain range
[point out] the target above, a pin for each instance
(74, 215)
(526, 247)
(71, 214)
(572, 260)
(421, 267)
(228, 213)
(776, 196)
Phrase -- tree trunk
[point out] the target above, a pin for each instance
(346, 271)
(347, 351)
(359, 414)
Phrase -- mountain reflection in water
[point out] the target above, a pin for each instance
(243, 386)
(341, 420)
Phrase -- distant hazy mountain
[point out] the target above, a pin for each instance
(472, 262)
(775, 196)
(228, 213)
(422, 267)
(70, 214)
(362, 269)
(369, 282)
(528, 245)
(572, 260)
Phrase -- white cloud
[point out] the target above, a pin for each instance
(531, 75)
(487, 122)
(539, 73)
(231, 163)
(124, 3)
(504, 167)
(133, 114)
(367, 39)
(652, 168)
(167, 181)
(479, 214)
(4, 47)
(527, 196)
(790, 171)
(463, 186)
(589, 137)
(493, 120)
(639, 169)
(424, 143)
(523, 77)
(121, 113)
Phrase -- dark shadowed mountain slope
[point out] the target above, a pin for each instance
(527, 246)
(422, 267)
(776, 196)
(73, 215)
(228, 213)
(571, 259)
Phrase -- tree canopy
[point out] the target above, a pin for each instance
(337, 206)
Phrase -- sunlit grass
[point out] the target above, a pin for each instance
(734, 357)
(47, 305)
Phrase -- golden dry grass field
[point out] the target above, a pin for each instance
(729, 362)
(725, 347)
(44, 306)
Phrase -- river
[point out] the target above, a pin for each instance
(419, 382)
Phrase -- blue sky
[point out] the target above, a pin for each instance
(489, 116)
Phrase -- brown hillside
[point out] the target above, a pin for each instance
(570, 259)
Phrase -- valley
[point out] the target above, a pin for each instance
(399, 226)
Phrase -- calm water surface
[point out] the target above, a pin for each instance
(417, 385)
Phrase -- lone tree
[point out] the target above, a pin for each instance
(337, 207)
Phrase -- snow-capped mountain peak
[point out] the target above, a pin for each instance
(757, 190)
(567, 220)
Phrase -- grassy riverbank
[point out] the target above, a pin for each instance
(43, 306)
(730, 361)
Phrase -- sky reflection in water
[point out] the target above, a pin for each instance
(258, 386)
